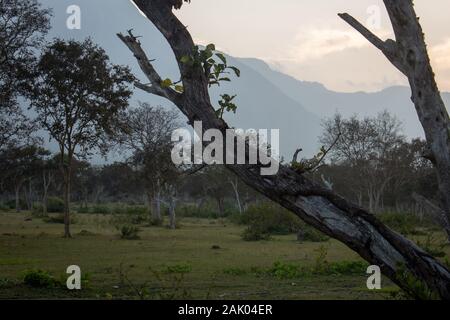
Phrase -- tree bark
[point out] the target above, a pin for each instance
(172, 217)
(46, 185)
(234, 184)
(67, 181)
(17, 196)
(317, 206)
(220, 206)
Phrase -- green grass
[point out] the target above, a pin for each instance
(118, 267)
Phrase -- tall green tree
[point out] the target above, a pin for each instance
(79, 96)
(23, 26)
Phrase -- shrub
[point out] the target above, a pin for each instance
(39, 279)
(193, 211)
(59, 219)
(156, 222)
(129, 232)
(4, 207)
(101, 209)
(307, 233)
(37, 210)
(11, 204)
(433, 246)
(83, 209)
(55, 205)
(283, 270)
(255, 233)
(405, 223)
(6, 283)
(138, 219)
(323, 267)
(272, 218)
(347, 267)
(132, 210)
(265, 220)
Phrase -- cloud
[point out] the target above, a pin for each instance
(317, 43)
(440, 54)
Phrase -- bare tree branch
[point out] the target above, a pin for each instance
(146, 66)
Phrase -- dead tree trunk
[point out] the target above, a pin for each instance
(316, 205)
(408, 53)
(234, 183)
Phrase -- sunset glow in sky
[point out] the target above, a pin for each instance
(307, 39)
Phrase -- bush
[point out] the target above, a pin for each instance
(83, 209)
(4, 207)
(59, 219)
(193, 211)
(129, 232)
(433, 246)
(130, 210)
(156, 222)
(348, 267)
(138, 219)
(269, 218)
(283, 270)
(39, 279)
(101, 209)
(11, 204)
(405, 223)
(307, 233)
(54, 205)
(254, 233)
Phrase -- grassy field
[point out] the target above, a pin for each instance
(204, 259)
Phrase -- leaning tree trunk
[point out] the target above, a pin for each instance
(408, 53)
(317, 206)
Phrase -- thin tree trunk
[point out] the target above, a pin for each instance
(157, 205)
(45, 203)
(67, 180)
(45, 194)
(220, 206)
(17, 195)
(172, 217)
(234, 184)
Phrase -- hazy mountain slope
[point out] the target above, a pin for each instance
(262, 105)
(266, 98)
(323, 102)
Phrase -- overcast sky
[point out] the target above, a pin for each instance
(307, 39)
